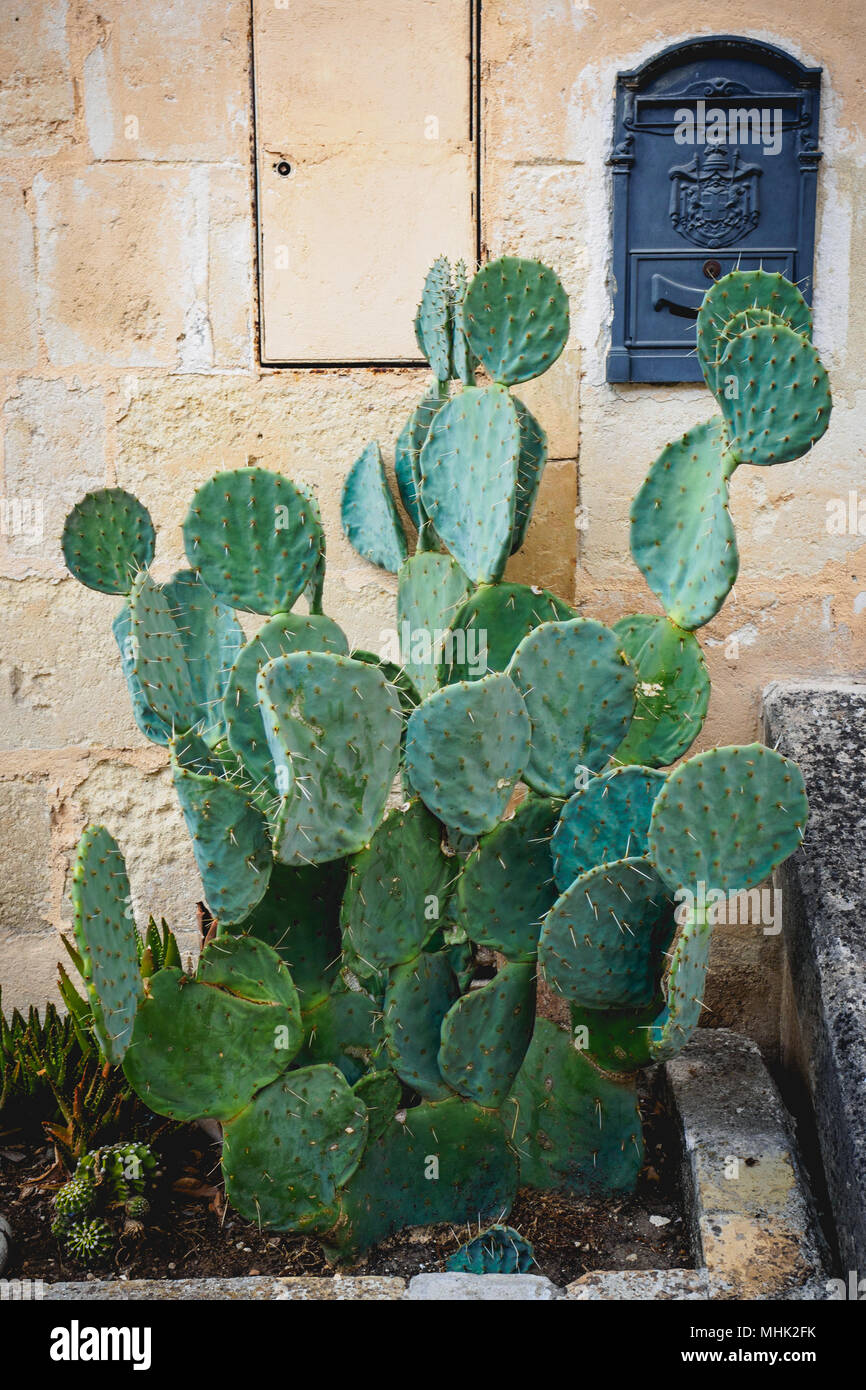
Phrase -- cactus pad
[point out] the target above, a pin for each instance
(466, 746)
(346, 1029)
(149, 722)
(572, 1127)
(615, 1040)
(108, 537)
(211, 637)
(433, 320)
(431, 591)
(448, 1161)
(598, 945)
(516, 318)
(739, 291)
(333, 725)
(229, 833)
(286, 1154)
(485, 1035)
(396, 889)
(579, 693)
(672, 691)
(106, 938)
(202, 1049)
(299, 918)
(279, 636)
(492, 624)
(159, 663)
(530, 467)
(607, 819)
(469, 466)
(417, 999)
(254, 538)
(782, 403)
(369, 512)
(381, 1092)
(682, 536)
(506, 887)
(727, 817)
(683, 987)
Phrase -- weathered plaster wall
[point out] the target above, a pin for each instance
(128, 355)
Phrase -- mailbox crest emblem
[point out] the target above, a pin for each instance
(714, 200)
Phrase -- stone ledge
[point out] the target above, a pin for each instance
(495, 1287)
(823, 726)
(752, 1225)
(370, 1287)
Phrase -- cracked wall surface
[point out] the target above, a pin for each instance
(128, 356)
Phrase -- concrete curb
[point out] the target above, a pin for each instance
(753, 1231)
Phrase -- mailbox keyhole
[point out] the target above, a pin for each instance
(712, 269)
(283, 168)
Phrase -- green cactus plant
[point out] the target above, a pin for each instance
(394, 852)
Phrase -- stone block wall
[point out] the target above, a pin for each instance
(128, 355)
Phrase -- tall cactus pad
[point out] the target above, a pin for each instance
(407, 464)
(149, 722)
(286, 1154)
(397, 889)
(469, 466)
(229, 834)
(433, 320)
(463, 360)
(739, 291)
(299, 917)
(530, 467)
(449, 1161)
(598, 945)
(211, 637)
(369, 512)
(108, 537)
(516, 318)
(106, 938)
(682, 536)
(333, 726)
(279, 636)
(607, 819)
(159, 662)
(203, 1050)
(672, 691)
(727, 818)
(254, 538)
(466, 746)
(683, 986)
(579, 693)
(417, 999)
(485, 1035)
(432, 589)
(492, 624)
(781, 405)
(506, 888)
(498, 1250)
(572, 1127)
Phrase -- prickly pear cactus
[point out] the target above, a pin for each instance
(395, 847)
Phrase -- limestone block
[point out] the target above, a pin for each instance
(124, 265)
(54, 445)
(28, 969)
(60, 677)
(37, 105)
(18, 325)
(24, 882)
(169, 85)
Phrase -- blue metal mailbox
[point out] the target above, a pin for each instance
(715, 165)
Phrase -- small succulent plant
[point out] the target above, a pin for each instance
(371, 1069)
(498, 1250)
(106, 1181)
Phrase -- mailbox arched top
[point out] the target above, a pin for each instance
(723, 46)
(714, 165)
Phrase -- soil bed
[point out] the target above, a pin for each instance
(190, 1233)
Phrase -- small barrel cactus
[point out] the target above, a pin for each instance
(90, 1241)
(74, 1200)
(498, 1250)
